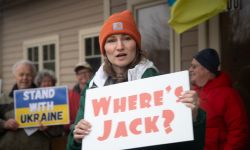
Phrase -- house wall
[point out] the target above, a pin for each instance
(117, 5)
(189, 46)
(36, 19)
(65, 19)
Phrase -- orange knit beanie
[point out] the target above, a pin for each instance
(119, 23)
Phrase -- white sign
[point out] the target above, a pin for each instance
(48, 105)
(138, 113)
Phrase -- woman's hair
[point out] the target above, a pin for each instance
(45, 73)
(122, 77)
(25, 62)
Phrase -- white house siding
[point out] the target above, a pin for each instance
(189, 46)
(38, 19)
(118, 5)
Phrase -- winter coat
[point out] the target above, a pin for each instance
(142, 70)
(226, 124)
(18, 139)
(74, 101)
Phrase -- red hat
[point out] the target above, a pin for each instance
(119, 23)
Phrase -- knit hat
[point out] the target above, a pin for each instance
(119, 23)
(209, 59)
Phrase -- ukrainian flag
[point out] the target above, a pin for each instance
(186, 14)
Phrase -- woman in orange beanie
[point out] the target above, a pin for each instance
(120, 44)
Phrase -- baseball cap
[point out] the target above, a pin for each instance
(82, 65)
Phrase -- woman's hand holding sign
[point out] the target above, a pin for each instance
(82, 129)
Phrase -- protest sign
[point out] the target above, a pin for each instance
(138, 113)
(46, 105)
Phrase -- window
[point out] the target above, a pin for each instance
(49, 57)
(89, 47)
(33, 55)
(43, 53)
(151, 18)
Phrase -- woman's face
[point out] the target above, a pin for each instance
(23, 76)
(47, 81)
(120, 50)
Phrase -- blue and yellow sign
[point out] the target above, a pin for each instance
(46, 105)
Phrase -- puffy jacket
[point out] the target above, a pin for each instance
(226, 124)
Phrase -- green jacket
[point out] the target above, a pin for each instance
(199, 127)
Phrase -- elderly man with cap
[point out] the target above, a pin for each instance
(226, 124)
(83, 72)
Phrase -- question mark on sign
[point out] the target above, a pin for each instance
(168, 115)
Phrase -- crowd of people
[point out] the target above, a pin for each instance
(219, 117)
(26, 77)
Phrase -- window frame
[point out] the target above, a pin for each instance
(174, 39)
(40, 42)
(87, 33)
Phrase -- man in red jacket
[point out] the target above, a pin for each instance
(226, 124)
(83, 72)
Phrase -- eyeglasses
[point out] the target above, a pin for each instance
(193, 66)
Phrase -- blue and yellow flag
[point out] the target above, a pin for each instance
(186, 14)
